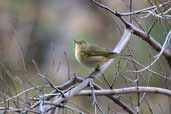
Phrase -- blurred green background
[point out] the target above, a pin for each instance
(38, 35)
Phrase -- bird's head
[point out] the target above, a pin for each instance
(80, 44)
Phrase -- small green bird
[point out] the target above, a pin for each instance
(91, 56)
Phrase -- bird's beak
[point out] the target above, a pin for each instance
(76, 41)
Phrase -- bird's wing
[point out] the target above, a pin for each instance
(97, 51)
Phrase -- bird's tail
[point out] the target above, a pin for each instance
(113, 55)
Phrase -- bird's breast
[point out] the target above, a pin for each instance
(77, 54)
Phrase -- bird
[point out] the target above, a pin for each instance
(92, 56)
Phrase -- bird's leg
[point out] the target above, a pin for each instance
(96, 70)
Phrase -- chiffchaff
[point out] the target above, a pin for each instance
(91, 56)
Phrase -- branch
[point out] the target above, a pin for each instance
(139, 89)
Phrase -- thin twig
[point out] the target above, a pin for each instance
(51, 85)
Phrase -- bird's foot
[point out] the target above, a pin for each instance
(93, 74)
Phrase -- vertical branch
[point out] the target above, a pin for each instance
(130, 10)
(138, 95)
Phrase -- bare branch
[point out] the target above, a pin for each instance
(128, 90)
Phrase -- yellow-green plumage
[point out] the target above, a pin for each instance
(91, 56)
